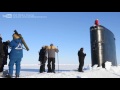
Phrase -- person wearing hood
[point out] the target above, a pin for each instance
(15, 55)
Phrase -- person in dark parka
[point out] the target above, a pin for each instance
(42, 58)
(1, 53)
(81, 57)
(5, 48)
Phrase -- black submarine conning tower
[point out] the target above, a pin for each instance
(102, 45)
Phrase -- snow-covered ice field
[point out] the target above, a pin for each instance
(69, 71)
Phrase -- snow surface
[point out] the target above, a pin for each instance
(70, 71)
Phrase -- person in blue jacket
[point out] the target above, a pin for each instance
(15, 55)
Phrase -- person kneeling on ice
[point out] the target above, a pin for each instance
(15, 56)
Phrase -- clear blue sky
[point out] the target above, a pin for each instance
(68, 30)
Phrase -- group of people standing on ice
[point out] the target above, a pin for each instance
(46, 53)
(15, 55)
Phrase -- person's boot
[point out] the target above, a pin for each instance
(5, 72)
(41, 71)
(8, 76)
(81, 71)
(53, 70)
(17, 76)
(49, 70)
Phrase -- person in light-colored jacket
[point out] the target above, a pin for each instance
(51, 57)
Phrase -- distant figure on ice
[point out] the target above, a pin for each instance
(42, 58)
(15, 56)
(2, 54)
(81, 57)
(51, 57)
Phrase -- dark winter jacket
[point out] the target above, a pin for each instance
(42, 54)
(5, 48)
(1, 52)
(16, 48)
(81, 55)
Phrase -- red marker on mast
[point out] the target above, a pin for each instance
(96, 22)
